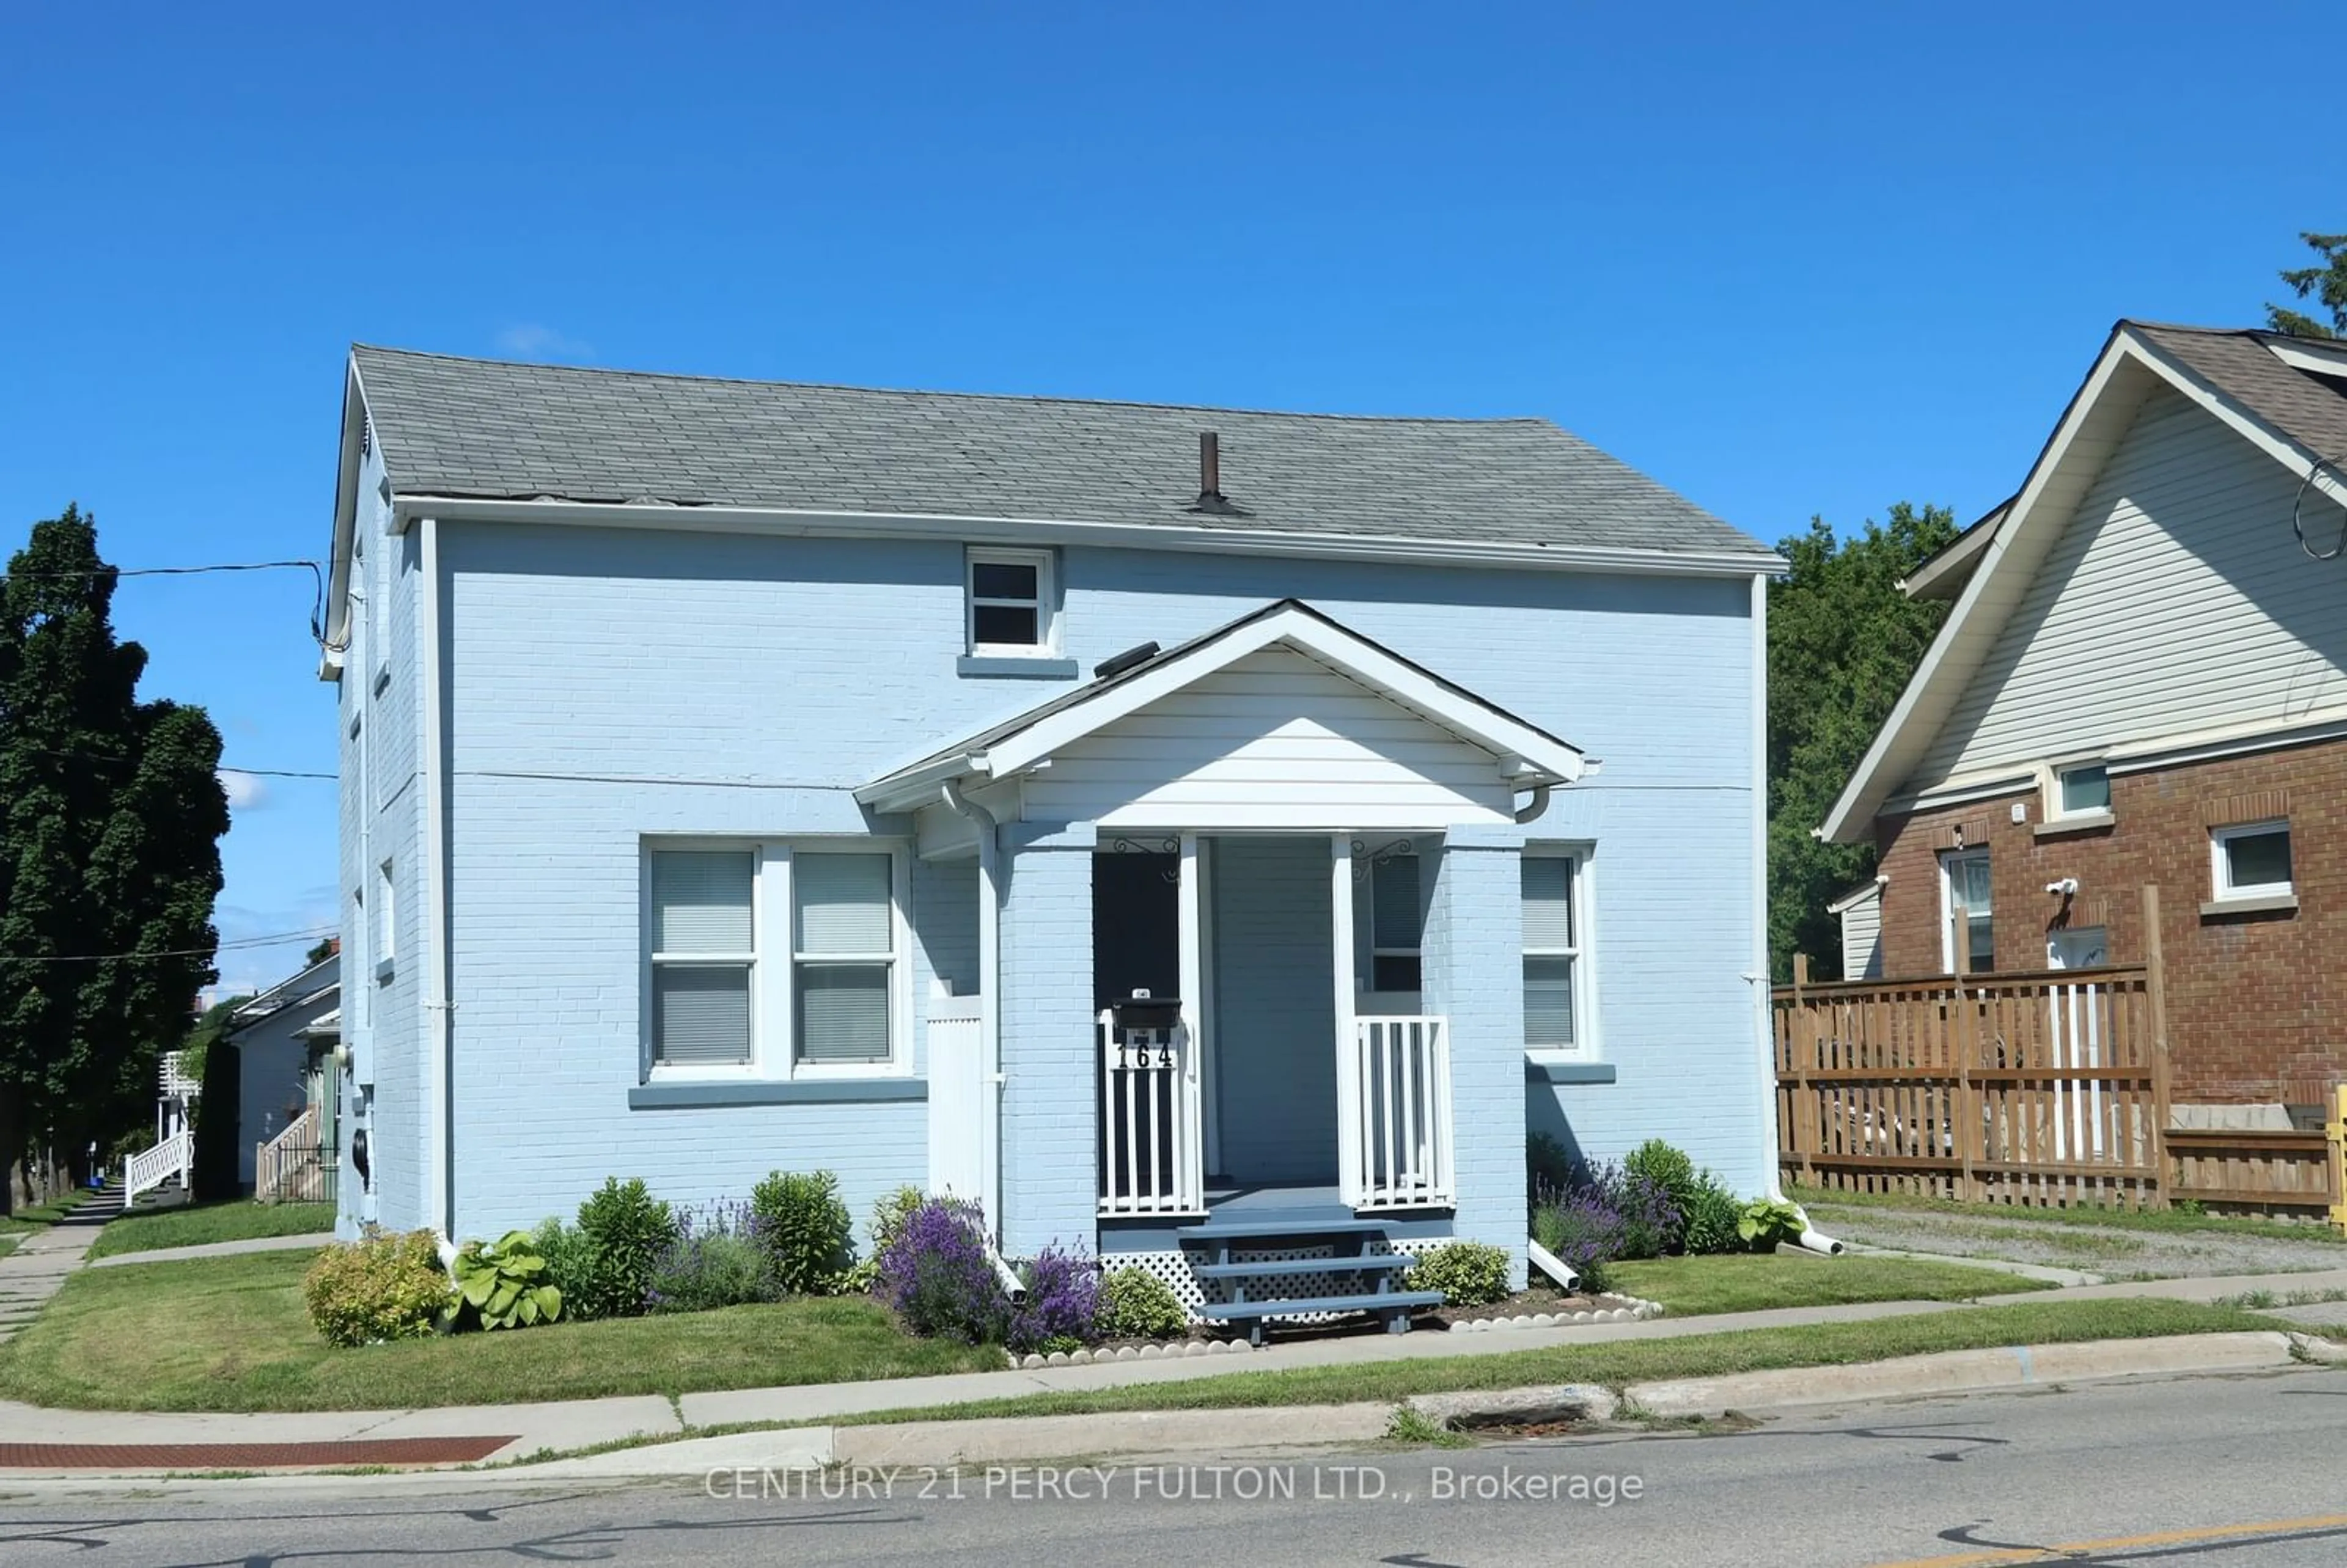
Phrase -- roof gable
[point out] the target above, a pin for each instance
(2203, 368)
(1521, 754)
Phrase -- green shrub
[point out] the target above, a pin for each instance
(502, 1283)
(569, 1264)
(1767, 1220)
(1666, 1168)
(1134, 1304)
(1712, 1214)
(805, 1230)
(1468, 1273)
(626, 1230)
(889, 1216)
(377, 1288)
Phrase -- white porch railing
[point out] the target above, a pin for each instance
(176, 1084)
(1399, 1087)
(1149, 1120)
(174, 1156)
(293, 1167)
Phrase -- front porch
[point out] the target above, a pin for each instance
(1250, 955)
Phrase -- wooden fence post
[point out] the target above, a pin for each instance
(1970, 1133)
(2334, 1135)
(2155, 980)
(1797, 1036)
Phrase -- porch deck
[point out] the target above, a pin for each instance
(1312, 1208)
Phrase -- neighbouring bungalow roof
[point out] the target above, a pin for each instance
(490, 429)
(1015, 743)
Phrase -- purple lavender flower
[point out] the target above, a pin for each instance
(1062, 1301)
(937, 1276)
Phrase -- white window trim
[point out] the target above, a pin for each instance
(1047, 619)
(1951, 961)
(774, 1055)
(2050, 791)
(2223, 888)
(1583, 953)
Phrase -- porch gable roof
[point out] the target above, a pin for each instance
(1530, 756)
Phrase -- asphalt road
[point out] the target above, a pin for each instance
(2246, 1473)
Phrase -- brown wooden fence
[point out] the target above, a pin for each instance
(2040, 1087)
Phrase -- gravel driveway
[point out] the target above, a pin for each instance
(2111, 1251)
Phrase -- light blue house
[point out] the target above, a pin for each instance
(741, 776)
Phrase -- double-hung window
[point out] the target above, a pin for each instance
(1554, 973)
(773, 960)
(1396, 924)
(704, 957)
(844, 961)
(1009, 603)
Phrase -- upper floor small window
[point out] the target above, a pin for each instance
(2252, 860)
(1009, 601)
(2082, 791)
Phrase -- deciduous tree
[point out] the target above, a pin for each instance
(1842, 641)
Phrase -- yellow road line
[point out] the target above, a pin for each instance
(2124, 1543)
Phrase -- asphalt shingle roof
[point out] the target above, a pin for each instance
(468, 427)
(2312, 410)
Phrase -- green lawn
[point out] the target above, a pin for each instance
(2170, 1221)
(1753, 1282)
(50, 1212)
(230, 1334)
(1624, 1361)
(7, 1242)
(240, 1220)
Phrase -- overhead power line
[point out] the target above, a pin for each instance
(316, 569)
(234, 945)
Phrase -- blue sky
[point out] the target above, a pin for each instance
(1789, 259)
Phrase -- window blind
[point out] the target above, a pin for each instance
(842, 1013)
(701, 1013)
(843, 903)
(701, 901)
(1547, 902)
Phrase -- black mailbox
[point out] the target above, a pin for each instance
(1140, 1012)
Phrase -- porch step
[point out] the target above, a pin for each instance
(1273, 1225)
(1349, 1263)
(1392, 1305)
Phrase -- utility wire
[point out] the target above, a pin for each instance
(227, 946)
(316, 571)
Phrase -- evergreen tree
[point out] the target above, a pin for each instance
(2326, 281)
(110, 816)
(1842, 641)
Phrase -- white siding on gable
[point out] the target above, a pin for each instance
(2177, 602)
(1861, 940)
(1277, 740)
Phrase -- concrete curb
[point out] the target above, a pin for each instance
(1021, 1439)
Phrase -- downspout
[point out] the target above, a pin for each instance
(1763, 1032)
(435, 891)
(1532, 809)
(989, 1004)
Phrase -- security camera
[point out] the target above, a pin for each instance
(2068, 888)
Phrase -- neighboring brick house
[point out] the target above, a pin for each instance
(2143, 679)
(741, 776)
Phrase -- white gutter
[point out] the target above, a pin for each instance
(989, 1002)
(1764, 1033)
(792, 520)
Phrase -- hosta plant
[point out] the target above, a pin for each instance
(1767, 1220)
(503, 1284)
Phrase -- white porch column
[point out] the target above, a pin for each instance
(1193, 981)
(1349, 1084)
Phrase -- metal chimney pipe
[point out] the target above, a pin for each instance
(1210, 465)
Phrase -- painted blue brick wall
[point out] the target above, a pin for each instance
(609, 684)
(1474, 966)
(1050, 1134)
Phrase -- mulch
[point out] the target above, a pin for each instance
(248, 1456)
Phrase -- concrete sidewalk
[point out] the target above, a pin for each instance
(36, 1269)
(216, 1249)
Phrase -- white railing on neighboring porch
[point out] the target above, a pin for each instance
(1150, 1116)
(174, 1156)
(293, 1167)
(1399, 1094)
(176, 1084)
